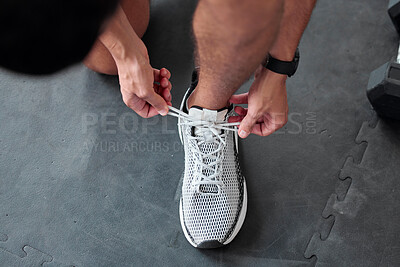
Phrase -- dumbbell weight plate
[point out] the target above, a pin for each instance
(394, 13)
(384, 90)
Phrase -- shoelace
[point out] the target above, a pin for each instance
(216, 156)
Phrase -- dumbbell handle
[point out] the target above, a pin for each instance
(398, 55)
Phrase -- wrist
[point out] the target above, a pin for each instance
(271, 76)
(128, 54)
(121, 40)
(287, 67)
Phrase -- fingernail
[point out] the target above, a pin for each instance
(243, 134)
(169, 96)
(164, 112)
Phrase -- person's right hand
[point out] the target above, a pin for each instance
(267, 109)
(144, 89)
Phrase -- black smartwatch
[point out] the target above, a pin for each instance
(283, 67)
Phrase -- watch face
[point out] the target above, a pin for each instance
(297, 55)
(296, 60)
(296, 63)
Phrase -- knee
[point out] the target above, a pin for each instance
(100, 60)
(138, 14)
(100, 68)
(234, 8)
(141, 25)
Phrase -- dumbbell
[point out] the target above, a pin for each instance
(384, 89)
(394, 13)
(384, 83)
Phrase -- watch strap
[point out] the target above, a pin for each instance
(282, 67)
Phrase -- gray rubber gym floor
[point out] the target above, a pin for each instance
(84, 181)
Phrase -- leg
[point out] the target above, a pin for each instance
(138, 14)
(232, 38)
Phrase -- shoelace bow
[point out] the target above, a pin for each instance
(215, 156)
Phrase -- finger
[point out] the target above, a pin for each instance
(167, 95)
(157, 75)
(232, 119)
(263, 129)
(136, 104)
(157, 102)
(152, 112)
(165, 73)
(257, 129)
(165, 82)
(169, 85)
(157, 88)
(247, 125)
(239, 99)
(270, 125)
(241, 111)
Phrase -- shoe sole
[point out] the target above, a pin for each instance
(243, 211)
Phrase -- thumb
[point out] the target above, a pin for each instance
(247, 125)
(158, 103)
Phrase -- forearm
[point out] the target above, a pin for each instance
(120, 38)
(296, 16)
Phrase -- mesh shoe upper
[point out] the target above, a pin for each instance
(212, 190)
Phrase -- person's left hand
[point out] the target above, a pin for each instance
(267, 105)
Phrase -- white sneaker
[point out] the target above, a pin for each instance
(213, 203)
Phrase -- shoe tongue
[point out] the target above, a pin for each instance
(207, 114)
(204, 114)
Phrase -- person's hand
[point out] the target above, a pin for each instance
(267, 105)
(144, 89)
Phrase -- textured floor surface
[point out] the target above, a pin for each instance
(362, 215)
(85, 182)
